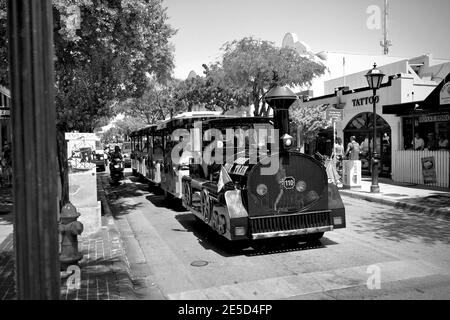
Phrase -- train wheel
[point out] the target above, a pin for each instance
(215, 221)
(206, 205)
(222, 224)
(187, 194)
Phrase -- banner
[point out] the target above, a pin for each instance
(429, 170)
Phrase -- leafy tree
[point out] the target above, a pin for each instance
(112, 135)
(257, 65)
(189, 93)
(127, 125)
(219, 91)
(104, 50)
(156, 103)
(310, 120)
(108, 58)
(3, 45)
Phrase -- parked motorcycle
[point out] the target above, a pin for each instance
(116, 170)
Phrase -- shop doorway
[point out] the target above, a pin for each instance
(361, 126)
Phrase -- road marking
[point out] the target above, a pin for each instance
(314, 282)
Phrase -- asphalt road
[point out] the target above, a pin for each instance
(384, 253)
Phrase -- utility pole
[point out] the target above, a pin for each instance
(385, 43)
(33, 118)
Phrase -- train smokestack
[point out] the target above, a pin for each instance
(280, 99)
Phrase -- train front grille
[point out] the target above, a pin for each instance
(290, 222)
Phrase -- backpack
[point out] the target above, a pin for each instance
(355, 147)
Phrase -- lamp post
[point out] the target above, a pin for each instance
(374, 78)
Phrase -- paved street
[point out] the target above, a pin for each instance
(177, 257)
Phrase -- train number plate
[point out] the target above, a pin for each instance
(289, 183)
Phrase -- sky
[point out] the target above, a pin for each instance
(415, 27)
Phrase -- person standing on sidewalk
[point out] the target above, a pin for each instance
(432, 143)
(338, 154)
(443, 142)
(418, 143)
(352, 149)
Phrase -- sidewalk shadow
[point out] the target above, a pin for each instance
(403, 225)
(7, 274)
(210, 240)
(160, 201)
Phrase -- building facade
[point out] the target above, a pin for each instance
(407, 82)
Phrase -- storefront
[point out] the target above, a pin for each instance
(357, 120)
(428, 120)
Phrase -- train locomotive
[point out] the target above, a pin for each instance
(241, 201)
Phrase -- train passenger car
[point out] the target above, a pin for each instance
(152, 148)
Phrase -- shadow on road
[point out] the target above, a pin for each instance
(402, 225)
(161, 202)
(210, 240)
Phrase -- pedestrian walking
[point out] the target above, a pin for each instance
(352, 149)
(338, 154)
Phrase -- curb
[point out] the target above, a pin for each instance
(144, 286)
(398, 204)
(124, 275)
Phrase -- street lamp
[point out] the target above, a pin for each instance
(374, 78)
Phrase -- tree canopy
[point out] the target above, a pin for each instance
(310, 120)
(104, 52)
(157, 102)
(257, 65)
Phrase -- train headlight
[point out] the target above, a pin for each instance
(300, 186)
(287, 140)
(261, 189)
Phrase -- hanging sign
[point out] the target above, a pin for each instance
(335, 114)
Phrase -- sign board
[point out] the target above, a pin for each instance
(429, 170)
(81, 136)
(5, 113)
(435, 118)
(80, 147)
(444, 96)
(335, 114)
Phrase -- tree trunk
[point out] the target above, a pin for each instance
(63, 167)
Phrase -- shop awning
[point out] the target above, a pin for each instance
(432, 103)
(404, 109)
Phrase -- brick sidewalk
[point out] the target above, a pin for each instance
(104, 268)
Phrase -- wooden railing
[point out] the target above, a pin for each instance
(407, 166)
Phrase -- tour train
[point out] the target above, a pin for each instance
(276, 191)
